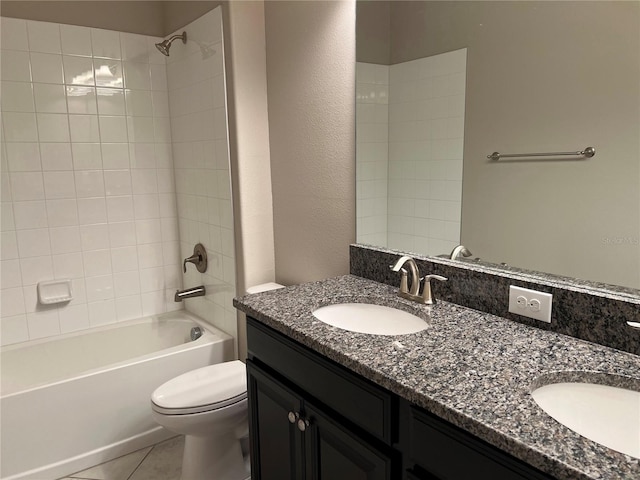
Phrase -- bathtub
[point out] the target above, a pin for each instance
(80, 399)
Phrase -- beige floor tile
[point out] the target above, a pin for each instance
(164, 462)
(117, 469)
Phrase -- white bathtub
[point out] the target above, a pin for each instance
(77, 400)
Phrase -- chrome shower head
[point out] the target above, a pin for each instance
(164, 46)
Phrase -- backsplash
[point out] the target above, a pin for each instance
(587, 310)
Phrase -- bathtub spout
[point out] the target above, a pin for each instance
(189, 293)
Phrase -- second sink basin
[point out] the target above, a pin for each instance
(370, 318)
(604, 414)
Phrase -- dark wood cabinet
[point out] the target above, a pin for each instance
(312, 419)
(293, 439)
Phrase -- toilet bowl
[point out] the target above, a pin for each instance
(209, 407)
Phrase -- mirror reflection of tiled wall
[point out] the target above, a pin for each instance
(415, 204)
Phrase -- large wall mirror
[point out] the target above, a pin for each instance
(443, 84)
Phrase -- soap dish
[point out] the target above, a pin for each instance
(55, 291)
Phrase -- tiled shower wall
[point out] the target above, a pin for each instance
(87, 178)
(425, 146)
(203, 183)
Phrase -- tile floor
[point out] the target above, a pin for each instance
(159, 462)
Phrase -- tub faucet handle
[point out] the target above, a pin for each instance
(199, 259)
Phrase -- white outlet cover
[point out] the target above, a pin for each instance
(538, 304)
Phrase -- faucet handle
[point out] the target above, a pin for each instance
(199, 259)
(426, 291)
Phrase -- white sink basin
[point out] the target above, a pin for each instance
(369, 318)
(607, 415)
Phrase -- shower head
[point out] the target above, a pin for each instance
(165, 45)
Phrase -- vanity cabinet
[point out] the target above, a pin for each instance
(311, 418)
(296, 433)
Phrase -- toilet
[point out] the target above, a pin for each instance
(209, 407)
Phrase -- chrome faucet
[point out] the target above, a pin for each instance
(460, 250)
(414, 293)
(189, 293)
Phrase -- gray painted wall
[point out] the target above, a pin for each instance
(311, 79)
(153, 17)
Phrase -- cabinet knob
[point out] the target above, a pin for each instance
(303, 424)
(293, 417)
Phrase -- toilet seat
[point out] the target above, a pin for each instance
(202, 390)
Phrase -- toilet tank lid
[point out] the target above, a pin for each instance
(203, 386)
(264, 287)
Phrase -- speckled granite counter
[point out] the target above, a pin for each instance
(473, 369)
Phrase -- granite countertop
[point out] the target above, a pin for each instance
(471, 368)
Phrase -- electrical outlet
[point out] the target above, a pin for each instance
(530, 303)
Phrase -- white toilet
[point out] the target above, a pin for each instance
(209, 407)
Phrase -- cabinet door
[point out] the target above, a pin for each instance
(276, 443)
(334, 453)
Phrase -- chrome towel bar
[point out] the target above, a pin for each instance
(587, 152)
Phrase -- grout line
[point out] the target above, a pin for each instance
(141, 461)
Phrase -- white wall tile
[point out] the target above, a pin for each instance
(113, 129)
(94, 237)
(53, 127)
(92, 210)
(23, 157)
(62, 213)
(8, 245)
(44, 37)
(81, 99)
(102, 312)
(68, 142)
(137, 76)
(17, 97)
(106, 43)
(120, 208)
(128, 308)
(13, 329)
(13, 33)
(46, 68)
(15, 66)
(65, 239)
(134, 47)
(126, 283)
(75, 40)
(78, 71)
(89, 183)
(59, 184)
(84, 128)
(73, 318)
(97, 262)
(110, 101)
(140, 103)
(108, 73)
(12, 302)
(33, 243)
(68, 265)
(99, 287)
(19, 127)
(36, 269)
(50, 98)
(56, 156)
(124, 259)
(115, 155)
(31, 214)
(11, 275)
(86, 156)
(117, 182)
(27, 186)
